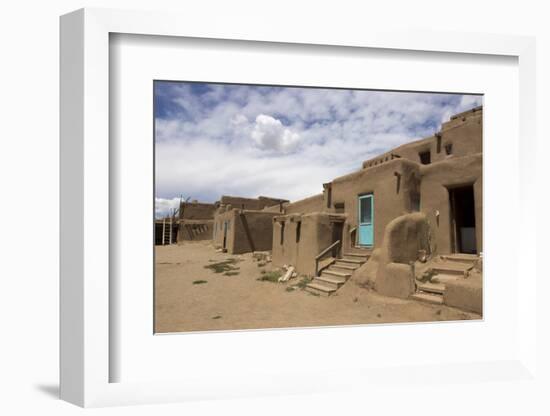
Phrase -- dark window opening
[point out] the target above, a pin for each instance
(449, 148)
(282, 233)
(425, 158)
(329, 196)
(463, 219)
(298, 231)
(339, 207)
(415, 201)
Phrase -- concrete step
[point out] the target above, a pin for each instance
(332, 282)
(451, 268)
(460, 258)
(437, 288)
(333, 273)
(444, 278)
(350, 261)
(320, 289)
(345, 266)
(362, 256)
(428, 297)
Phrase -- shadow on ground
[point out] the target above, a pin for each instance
(51, 390)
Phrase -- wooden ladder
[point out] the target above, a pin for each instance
(167, 227)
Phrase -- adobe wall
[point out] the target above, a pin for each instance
(404, 237)
(393, 194)
(194, 230)
(196, 210)
(315, 236)
(218, 232)
(463, 132)
(254, 227)
(250, 203)
(280, 208)
(285, 250)
(243, 226)
(434, 190)
(266, 201)
(313, 203)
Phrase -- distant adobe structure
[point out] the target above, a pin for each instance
(245, 224)
(195, 221)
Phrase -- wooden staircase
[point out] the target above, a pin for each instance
(334, 276)
(452, 267)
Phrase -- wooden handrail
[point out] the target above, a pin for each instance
(322, 253)
(326, 250)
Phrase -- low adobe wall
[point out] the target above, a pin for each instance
(403, 238)
(465, 294)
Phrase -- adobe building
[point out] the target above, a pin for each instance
(421, 197)
(195, 221)
(245, 224)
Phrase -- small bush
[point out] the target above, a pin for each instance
(303, 282)
(231, 273)
(270, 277)
(200, 282)
(223, 266)
(290, 289)
(216, 317)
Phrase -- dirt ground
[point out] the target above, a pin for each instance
(190, 297)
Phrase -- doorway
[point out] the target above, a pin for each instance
(463, 219)
(366, 223)
(337, 235)
(224, 234)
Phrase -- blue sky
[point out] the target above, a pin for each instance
(214, 139)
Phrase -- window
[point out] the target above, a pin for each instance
(449, 148)
(282, 233)
(339, 207)
(425, 158)
(329, 196)
(298, 230)
(365, 213)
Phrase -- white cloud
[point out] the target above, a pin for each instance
(284, 142)
(165, 207)
(270, 134)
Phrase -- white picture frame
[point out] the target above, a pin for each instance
(85, 210)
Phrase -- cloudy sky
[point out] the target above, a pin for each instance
(284, 142)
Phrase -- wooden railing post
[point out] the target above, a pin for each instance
(322, 253)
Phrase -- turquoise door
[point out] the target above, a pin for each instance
(366, 220)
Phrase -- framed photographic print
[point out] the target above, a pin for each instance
(286, 213)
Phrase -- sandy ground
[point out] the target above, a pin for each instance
(242, 302)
